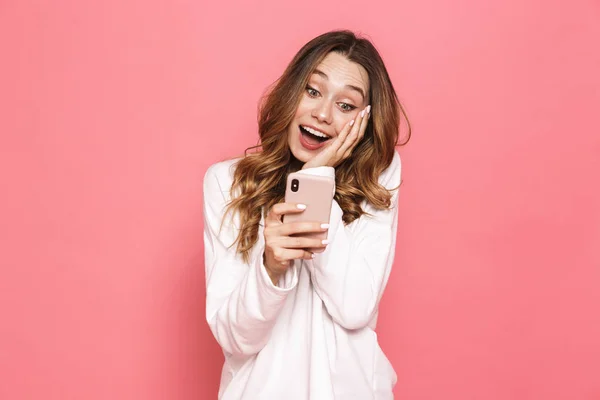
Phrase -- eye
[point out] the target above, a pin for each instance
(312, 92)
(346, 106)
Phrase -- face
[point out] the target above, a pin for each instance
(336, 92)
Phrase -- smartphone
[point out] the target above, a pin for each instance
(316, 192)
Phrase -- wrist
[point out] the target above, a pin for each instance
(313, 163)
(308, 165)
(272, 274)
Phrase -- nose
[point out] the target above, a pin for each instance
(322, 112)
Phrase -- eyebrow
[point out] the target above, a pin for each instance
(352, 87)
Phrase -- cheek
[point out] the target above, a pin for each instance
(303, 107)
(344, 119)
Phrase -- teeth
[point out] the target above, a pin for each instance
(315, 132)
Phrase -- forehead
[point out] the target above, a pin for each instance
(342, 71)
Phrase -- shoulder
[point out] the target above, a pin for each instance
(219, 177)
(390, 178)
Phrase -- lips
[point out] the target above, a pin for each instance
(309, 141)
(317, 133)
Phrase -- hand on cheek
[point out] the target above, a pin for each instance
(341, 147)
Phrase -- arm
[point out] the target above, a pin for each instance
(351, 275)
(242, 304)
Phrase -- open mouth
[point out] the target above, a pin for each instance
(313, 136)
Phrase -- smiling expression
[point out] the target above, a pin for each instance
(336, 92)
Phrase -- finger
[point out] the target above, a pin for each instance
(356, 134)
(364, 123)
(280, 209)
(294, 254)
(361, 133)
(351, 138)
(329, 155)
(347, 129)
(299, 242)
(347, 154)
(339, 141)
(293, 228)
(360, 122)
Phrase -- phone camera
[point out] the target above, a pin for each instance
(295, 185)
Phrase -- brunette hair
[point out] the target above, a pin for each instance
(260, 177)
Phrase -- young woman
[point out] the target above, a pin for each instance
(293, 324)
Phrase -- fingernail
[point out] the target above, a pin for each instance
(362, 113)
(325, 241)
(368, 109)
(312, 255)
(351, 122)
(324, 226)
(301, 206)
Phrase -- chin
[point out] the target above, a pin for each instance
(301, 156)
(299, 152)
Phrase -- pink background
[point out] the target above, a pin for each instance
(110, 112)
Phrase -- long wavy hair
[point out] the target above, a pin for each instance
(260, 177)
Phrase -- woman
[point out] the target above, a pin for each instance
(292, 324)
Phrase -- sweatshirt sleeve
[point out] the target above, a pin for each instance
(242, 304)
(351, 274)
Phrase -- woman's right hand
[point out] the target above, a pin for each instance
(280, 246)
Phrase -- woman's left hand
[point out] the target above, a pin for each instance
(341, 147)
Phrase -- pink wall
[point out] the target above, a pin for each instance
(110, 112)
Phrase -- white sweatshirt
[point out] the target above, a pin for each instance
(312, 335)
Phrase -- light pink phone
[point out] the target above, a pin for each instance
(316, 192)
